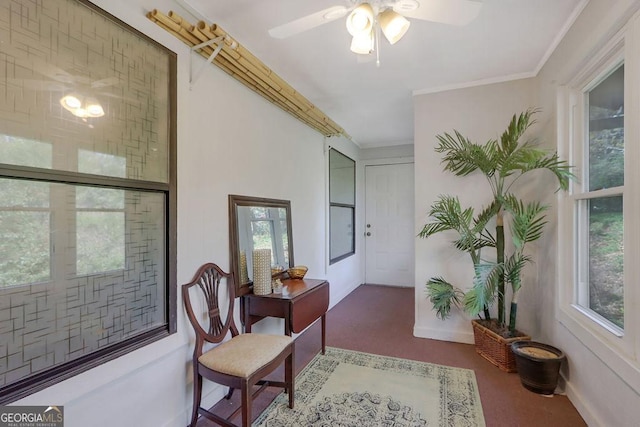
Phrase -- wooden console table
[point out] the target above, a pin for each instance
(300, 304)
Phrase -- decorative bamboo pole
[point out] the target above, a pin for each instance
(245, 67)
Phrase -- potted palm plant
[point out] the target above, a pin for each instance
(502, 162)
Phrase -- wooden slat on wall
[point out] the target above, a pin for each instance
(242, 65)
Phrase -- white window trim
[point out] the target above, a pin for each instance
(620, 351)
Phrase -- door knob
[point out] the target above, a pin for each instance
(368, 225)
(368, 233)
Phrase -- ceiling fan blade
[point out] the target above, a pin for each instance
(109, 81)
(452, 12)
(38, 85)
(120, 97)
(308, 22)
(53, 72)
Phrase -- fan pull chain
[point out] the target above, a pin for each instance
(377, 44)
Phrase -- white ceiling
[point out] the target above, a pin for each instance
(509, 39)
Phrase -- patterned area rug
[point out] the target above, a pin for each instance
(348, 388)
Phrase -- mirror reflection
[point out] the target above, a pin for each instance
(258, 223)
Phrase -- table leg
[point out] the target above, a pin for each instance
(245, 313)
(324, 328)
(287, 325)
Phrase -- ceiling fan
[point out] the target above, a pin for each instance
(367, 18)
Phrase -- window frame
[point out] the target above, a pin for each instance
(616, 347)
(581, 194)
(62, 371)
(350, 206)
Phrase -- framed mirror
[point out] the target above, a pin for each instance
(258, 223)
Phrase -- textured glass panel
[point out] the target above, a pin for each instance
(342, 237)
(606, 280)
(25, 248)
(100, 241)
(73, 315)
(15, 193)
(102, 164)
(342, 176)
(606, 132)
(25, 232)
(72, 78)
(105, 198)
(24, 152)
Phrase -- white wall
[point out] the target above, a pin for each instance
(479, 113)
(600, 390)
(230, 141)
(391, 152)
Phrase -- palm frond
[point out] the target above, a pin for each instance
(483, 292)
(443, 295)
(560, 168)
(517, 127)
(486, 215)
(528, 220)
(485, 157)
(447, 214)
(472, 243)
(463, 157)
(513, 267)
(521, 159)
(432, 228)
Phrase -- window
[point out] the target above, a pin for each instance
(599, 201)
(342, 206)
(87, 193)
(599, 221)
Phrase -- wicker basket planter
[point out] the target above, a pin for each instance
(494, 347)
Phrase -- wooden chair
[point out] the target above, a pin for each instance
(241, 362)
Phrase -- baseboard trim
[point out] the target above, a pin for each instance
(209, 398)
(581, 406)
(437, 334)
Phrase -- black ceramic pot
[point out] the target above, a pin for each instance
(538, 365)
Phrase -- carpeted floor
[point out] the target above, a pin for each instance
(380, 319)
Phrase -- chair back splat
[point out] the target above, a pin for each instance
(240, 362)
(208, 279)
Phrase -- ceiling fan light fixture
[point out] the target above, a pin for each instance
(81, 106)
(70, 102)
(393, 25)
(360, 21)
(93, 108)
(362, 44)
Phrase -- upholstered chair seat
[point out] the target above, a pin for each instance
(245, 354)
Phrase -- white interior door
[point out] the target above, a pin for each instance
(389, 228)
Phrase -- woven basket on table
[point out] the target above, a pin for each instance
(297, 272)
(495, 348)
